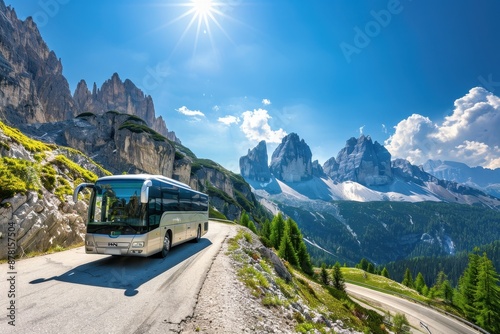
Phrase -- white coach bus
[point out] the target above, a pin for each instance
(141, 215)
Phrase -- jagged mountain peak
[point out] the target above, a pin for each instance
(33, 87)
(291, 161)
(121, 96)
(362, 161)
(254, 165)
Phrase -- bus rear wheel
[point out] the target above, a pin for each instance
(198, 235)
(166, 245)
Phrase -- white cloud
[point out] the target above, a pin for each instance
(266, 102)
(361, 128)
(191, 113)
(228, 120)
(469, 134)
(255, 126)
(384, 128)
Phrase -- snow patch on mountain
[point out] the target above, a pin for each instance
(314, 244)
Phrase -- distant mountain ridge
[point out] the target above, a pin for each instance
(368, 205)
(363, 171)
(485, 179)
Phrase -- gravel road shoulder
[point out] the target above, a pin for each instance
(226, 305)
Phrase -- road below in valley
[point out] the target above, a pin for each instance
(436, 322)
(74, 292)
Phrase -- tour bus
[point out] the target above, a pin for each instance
(141, 215)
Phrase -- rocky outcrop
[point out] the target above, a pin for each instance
(317, 169)
(41, 223)
(123, 97)
(404, 170)
(330, 167)
(254, 165)
(291, 161)
(42, 215)
(32, 87)
(120, 142)
(362, 161)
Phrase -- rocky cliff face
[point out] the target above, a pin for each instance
(125, 144)
(362, 161)
(32, 87)
(123, 97)
(120, 142)
(42, 215)
(254, 165)
(330, 167)
(291, 161)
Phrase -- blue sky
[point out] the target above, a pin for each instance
(403, 72)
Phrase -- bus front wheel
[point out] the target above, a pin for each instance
(166, 245)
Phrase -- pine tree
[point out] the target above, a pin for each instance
(408, 279)
(385, 272)
(286, 250)
(277, 230)
(370, 268)
(304, 259)
(487, 296)
(265, 230)
(400, 323)
(363, 264)
(295, 234)
(324, 274)
(420, 283)
(446, 291)
(244, 219)
(338, 278)
(442, 288)
(467, 287)
(252, 227)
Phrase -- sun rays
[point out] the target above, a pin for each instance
(203, 16)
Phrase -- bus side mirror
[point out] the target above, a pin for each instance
(79, 188)
(145, 191)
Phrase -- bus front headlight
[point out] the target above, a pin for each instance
(138, 244)
(89, 243)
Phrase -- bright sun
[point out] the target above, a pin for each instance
(202, 8)
(202, 14)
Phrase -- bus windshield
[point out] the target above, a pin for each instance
(118, 203)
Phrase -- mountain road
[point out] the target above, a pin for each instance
(436, 322)
(74, 292)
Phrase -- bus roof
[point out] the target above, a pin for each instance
(146, 177)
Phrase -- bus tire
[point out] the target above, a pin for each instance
(198, 235)
(167, 244)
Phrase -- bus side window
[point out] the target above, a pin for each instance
(154, 206)
(185, 200)
(170, 200)
(203, 203)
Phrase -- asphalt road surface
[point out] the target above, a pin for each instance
(74, 292)
(436, 322)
